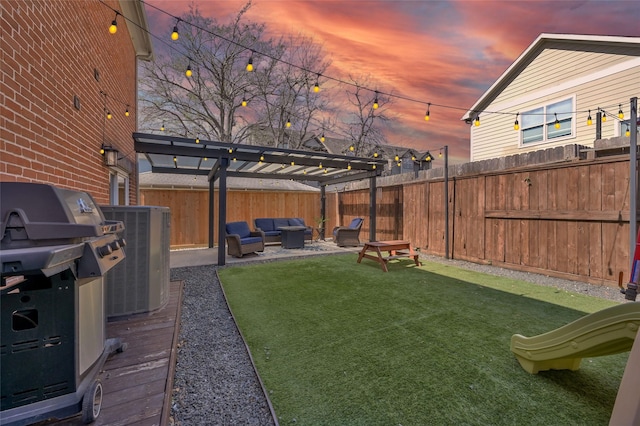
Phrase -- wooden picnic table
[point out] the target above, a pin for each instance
(396, 249)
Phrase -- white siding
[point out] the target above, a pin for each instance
(582, 74)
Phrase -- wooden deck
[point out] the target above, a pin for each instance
(137, 383)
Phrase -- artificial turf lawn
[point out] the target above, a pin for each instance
(341, 343)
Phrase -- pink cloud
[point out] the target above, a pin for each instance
(444, 52)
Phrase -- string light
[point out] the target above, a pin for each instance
(349, 166)
(375, 154)
(174, 35)
(293, 163)
(262, 158)
(188, 72)
(628, 132)
(373, 167)
(126, 112)
(109, 116)
(250, 63)
(113, 28)
(396, 158)
(352, 148)
(589, 120)
(516, 125)
(162, 128)
(316, 88)
(288, 124)
(556, 124)
(244, 102)
(230, 150)
(322, 138)
(604, 116)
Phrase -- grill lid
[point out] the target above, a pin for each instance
(38, 214)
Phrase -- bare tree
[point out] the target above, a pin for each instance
(367, 116)
(221, 100)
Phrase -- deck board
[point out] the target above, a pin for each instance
(137, 383)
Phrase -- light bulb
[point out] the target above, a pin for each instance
(244, 102)
(351, 148)
(250, 64)
(373, 167)
(174, 34)
(628, 132)
(620, 113)
(604, 116)
(397, 158)
(316, 88)
(109, 115)
(188, 72)
(197, 139)
(589, 120)
(114, 25)
(375, 104)
(556, 124)
(288, 123)
(126, 112)
(476, 122)
(375, 155)
(516, 125)
(102, 150)
(426, 116)
(322, 138)
(162, 128)
(349, 166)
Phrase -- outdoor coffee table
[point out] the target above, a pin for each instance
(396, 249)
(292, 236)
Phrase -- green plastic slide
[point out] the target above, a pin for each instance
(607, 332)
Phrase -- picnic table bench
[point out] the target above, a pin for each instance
(396, 249)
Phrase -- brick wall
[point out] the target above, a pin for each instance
(49, 50)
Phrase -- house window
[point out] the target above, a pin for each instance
(539, 125)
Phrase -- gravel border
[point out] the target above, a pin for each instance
(215, 381)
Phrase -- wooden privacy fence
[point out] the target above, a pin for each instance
(190, 210)
(569, 220)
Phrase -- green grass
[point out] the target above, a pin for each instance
(341, 343)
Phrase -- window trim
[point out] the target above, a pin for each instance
(545, 138)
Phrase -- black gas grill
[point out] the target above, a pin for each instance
(56, 247)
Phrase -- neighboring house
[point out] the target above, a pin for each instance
(399, 159)
(62, 71)
(559, 77)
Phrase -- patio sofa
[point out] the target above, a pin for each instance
(241, 240)
(270, 227)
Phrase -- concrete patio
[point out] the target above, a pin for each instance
(209, 256)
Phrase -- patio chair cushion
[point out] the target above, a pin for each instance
(296, 221)
(279, 222)
(239, 228)
(266, 224)
(355, 223)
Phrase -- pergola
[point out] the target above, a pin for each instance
(219, 160)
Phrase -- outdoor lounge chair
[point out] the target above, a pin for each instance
(348, 235)
(241, 240)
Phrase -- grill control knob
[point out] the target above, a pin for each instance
(115, 245)
(104, 250)
(122, 242)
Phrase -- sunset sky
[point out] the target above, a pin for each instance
(443, 52)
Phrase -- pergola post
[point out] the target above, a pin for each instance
(323, 210)
(211, 211)
(633, 177)
(372, 208)
(222, 210)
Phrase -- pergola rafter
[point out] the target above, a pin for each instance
(219, 160)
